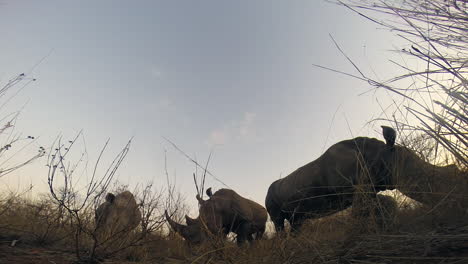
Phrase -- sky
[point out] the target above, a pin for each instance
(232, 78)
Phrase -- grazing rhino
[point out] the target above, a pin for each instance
(118, 214)
(328, 184)
(225, 211)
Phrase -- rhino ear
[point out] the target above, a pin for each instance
(110, 197)
(190, 221)
(209, 192)
(389, 135)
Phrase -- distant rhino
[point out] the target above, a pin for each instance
(118, 214)
(225, 211)
(328, 184)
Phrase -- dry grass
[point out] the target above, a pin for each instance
(38, 222)
(433, 94)
(412, 234)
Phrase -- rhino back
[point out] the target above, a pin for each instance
(234, 207)
(334, 171)
(122, 213)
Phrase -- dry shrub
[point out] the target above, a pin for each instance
(433, 94)
(39, 222)
(412, 234)
(12, 158)
(429, 113)
(42, 222)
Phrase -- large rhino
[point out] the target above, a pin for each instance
(225, 211)
(118, 214)
(328, 184)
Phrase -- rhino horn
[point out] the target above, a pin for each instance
(175, 226)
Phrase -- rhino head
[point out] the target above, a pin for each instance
(225, 211)
(199, 229)
(117, 215)
(192, 232)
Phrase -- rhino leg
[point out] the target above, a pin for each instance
(277, 217)
(296, 220)
(385, 211)
(364, 202)
(296, 224)
(278, 221)
(259, 233)
(243, 233)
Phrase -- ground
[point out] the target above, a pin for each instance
(20, 254)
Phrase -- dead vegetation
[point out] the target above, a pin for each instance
(394, 231)
(412, 235)
(433, 91)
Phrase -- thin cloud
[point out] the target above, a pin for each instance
(155, 72)
(218, 137)
(246, 127)
(161, 104)
(234, 130)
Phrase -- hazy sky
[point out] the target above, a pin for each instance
(235, 77)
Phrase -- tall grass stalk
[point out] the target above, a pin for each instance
(437, 35)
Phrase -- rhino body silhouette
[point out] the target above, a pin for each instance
(225, 211)
(329, 183)
(118, 214)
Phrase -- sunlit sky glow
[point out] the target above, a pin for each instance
(232, 77)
